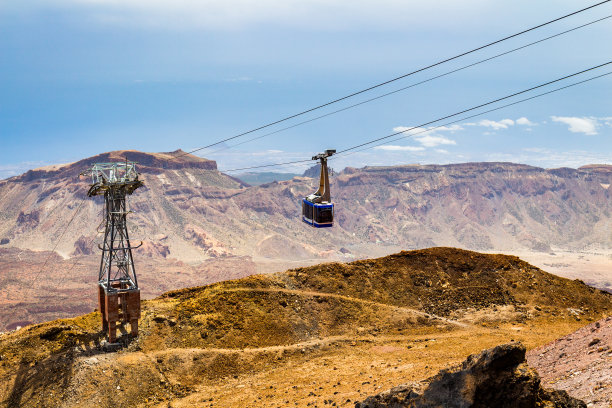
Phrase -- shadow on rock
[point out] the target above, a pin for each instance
(497, 377)
(35, 382)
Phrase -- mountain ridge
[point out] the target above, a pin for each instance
(196, 215)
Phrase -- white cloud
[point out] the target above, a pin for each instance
(433, 141)
(502, 124)
(548, 158)
(524, 121)
(428, 137)
(535, 149)
(400, 148)
(451, 128)
(588, 126)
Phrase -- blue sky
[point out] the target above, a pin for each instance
(81, 77)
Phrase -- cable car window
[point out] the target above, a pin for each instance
(325, 215)
(307, 210)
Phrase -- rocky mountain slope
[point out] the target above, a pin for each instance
(497, 377)
(498, 206)
(191, 216)
(579, 363)
(190, 211)
(313, 336)
(48, 210)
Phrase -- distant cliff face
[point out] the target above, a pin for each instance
(148, 162)
(483, 206)
(36, 207)
(487, 206)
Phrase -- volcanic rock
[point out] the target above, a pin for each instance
(28, 221)
(153, 249)
(340, 330)
(83, 246)
(497, 377)
(579, 363)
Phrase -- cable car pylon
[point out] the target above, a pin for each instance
(118, 291)
(317, 208)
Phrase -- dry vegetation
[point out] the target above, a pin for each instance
(316, 336)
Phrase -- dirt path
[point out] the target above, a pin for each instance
(305, 344)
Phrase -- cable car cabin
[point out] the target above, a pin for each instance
(317, 208)
(318, 215)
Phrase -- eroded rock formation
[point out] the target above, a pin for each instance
(497, 377)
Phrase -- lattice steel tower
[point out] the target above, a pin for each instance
(118, 292)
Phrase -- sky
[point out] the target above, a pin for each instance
(82, 77)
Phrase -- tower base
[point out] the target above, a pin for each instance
(118, 305)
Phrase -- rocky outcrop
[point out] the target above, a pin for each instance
(211, 246)
(199, 237)
(497, 377)
(28, 221)
(579, 363)
(84, 246)
(153, 249)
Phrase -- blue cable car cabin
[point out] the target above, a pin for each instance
(319, 215)
(317, 208)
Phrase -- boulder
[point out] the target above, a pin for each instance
(497, 377)
(84, 246)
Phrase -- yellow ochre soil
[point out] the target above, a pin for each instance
(316, 336)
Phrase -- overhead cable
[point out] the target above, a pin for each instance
(268, 165)
(476, 107)
(436, 120)
(57, 242)
(431, 129)
(411, 86)
(394, 79)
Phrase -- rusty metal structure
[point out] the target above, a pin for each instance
(118, 291)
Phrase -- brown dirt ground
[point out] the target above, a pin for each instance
(333, 332)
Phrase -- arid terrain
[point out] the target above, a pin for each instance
(579, 363)
(496, 377)
(200, 226)
(313, 336)
(593, 267)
